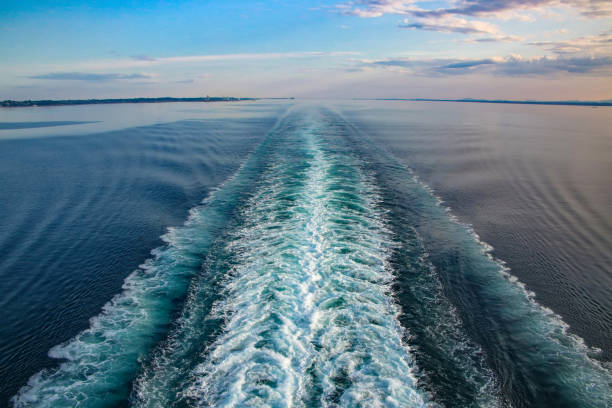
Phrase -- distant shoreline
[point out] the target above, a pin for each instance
(68, 102)
(64, 102)
(527, 102)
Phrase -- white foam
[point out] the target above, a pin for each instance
(303, 315)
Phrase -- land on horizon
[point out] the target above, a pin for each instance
(61, 102)
(607, 102)
(64, 102)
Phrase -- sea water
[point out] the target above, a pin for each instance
(321, 269)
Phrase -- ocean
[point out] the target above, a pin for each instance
(306, 253)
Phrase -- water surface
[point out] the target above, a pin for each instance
(321, 269)
(534, 183)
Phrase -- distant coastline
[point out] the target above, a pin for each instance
(525, 102)
(50, 102)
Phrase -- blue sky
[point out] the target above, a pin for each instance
(537, 49)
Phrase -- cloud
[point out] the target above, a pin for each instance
(590, 8)
(464, 17)
(468, 64)
(427, 20)
(492, 8)
(513, 65)
(140, 61)
(545, 65)
(85, 76)
(376, 8)
(586, 46)
(496, 38)
(251, 56)
(451, 24)
(142, 57)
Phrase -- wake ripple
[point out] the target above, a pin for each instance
(100, 363)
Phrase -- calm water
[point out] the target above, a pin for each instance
(533, 181)
(320, 269)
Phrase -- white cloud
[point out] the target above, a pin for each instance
(451, 24)
(500, 9)
(148, 61)
(513, 65)
(591, 45)
(376, 8)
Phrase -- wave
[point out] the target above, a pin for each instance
(528, 347)
(98, 365)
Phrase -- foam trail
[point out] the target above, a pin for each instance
(99, 364)
(309, 319)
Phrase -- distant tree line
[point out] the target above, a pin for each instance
(515, 102)
(49, 102)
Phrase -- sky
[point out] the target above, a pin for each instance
(501, 49)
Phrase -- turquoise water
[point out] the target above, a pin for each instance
(322, 272)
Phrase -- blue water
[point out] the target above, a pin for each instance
(319, 269)
(534, 183)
